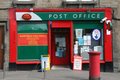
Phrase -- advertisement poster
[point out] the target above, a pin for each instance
(78, 33)
(87, 39)
(80, 41)
(96, 34)
(77, 63)
(45, 62)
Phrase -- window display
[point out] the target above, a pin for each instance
(60, 46)
(88, 40)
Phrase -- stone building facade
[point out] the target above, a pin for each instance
(114, 4)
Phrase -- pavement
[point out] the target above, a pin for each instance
(66, 74)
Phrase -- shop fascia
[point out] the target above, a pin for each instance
(74, 16)
(62, 15)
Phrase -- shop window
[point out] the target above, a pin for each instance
(87, 38)
(80, 3)
(23, 3)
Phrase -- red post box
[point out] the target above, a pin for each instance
(94, 65)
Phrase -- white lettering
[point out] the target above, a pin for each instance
(60, 16)
(88, 15)
(80, 15)
(98, 15)
(50, 15)
(84, 16)
(55, 16)
(75, 16)
(92, 15)
(65, 16)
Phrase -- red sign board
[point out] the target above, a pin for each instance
(32, 39)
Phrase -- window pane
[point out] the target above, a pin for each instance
(60, 46)
(88, 37)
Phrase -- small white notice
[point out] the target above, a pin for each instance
(108, 32)
(77, 63)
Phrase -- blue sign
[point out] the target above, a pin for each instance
(96, 34)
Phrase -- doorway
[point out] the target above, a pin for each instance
(60, 40)
(1, 46)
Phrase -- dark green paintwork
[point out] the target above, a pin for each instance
(32, 27)
(31, 52)
(87, 25)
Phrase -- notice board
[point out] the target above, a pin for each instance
(77, 65)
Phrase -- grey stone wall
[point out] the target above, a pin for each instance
(48, 3)
(5, 4)
(116, 35)
(109, 3)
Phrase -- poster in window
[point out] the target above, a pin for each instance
(96, 34)
(78, 33)
(87, 39)
(61, 41)
(80, 41)
(84, 52)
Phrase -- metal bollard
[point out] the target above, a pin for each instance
(94, 65)
(44, 70)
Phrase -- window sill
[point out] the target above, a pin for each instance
(80, 2)
(15, 2)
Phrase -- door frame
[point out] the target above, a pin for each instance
(2, 67)
(59, 61)
(61, 24)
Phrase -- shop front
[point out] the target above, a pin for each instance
(61, 34)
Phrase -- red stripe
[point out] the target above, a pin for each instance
(32, 39)
(28, 62)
